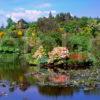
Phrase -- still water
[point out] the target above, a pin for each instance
(14, 85)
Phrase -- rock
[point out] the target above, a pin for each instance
(3, 85)
(88, 88)
(12, 88)
(3, 94)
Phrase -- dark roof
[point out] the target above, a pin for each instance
(23, 21)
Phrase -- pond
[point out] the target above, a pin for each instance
(14, 85)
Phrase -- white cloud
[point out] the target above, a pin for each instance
(19, 9)
(28, 15)
(44, 5)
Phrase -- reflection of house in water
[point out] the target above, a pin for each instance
(57, 91)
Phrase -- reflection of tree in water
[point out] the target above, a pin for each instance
(14, 73)
(24, 85)
(11, 71)
(56, 91)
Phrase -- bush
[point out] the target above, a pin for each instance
(39, 57)
(80, 43)
(58, 53)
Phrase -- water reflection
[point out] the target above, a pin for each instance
(57, 91)
(93, 92)
(12, 71)
(13, 80)
(13, 74)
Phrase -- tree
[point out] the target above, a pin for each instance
(47, 41)
(83, 21)
(95, 27)
(47, 25)
(10, 23)
(72, 27)
(63, 17)
(50, 15)
(80, 43)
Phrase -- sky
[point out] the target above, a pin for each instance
(31, 10)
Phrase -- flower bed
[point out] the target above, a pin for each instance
(60, 57)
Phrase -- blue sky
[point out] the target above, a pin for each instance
(30, 10)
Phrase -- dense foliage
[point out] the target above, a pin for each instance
(37, 39)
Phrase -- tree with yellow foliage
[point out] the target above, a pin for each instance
(1, 34)
(20, 33)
